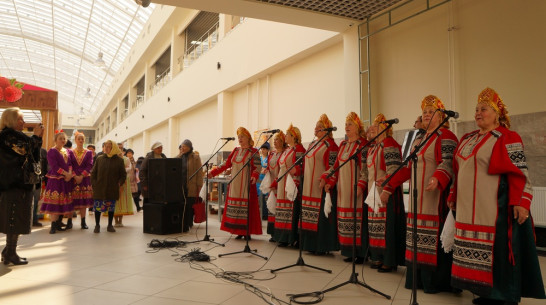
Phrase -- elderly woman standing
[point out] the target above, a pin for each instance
(157, 152)
(344, 179)
(58, 192)
(238, 205)
(287, 211)
(434, 174)
(495, 252)
(191, 162)
(279, 143)
(107, 177)
(16, 195)
(319, 233)
(82, 163)
(386, 224)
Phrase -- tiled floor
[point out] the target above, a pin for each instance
(82, 268)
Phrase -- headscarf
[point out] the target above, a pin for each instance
(295, 132)
(326, 123)
(436, 103)
(353, 117)
(379, 119)
(492, 98)
(156, 145)
(245, 132)
(115, 149)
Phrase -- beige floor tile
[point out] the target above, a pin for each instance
(82, 268)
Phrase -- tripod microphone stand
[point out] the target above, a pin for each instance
(300, 261)
(247, 237)
(413, 157)
(354, 276)
(206, 165)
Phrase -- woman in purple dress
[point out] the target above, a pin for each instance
(82, 163)
(58, 193)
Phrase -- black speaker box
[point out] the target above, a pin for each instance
(165, 180)
(163, 218)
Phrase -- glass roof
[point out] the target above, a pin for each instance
(54, 44)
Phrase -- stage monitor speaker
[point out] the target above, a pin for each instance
(161, 219)
(165, 180)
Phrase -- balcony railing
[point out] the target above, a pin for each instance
(161, 81)
(139, 101)
(199, 47)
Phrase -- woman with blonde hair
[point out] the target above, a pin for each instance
(344, 180)
(16, 193)
(434, 174)
(58, 192)
(386, 223)
(239, 206)
(287, 211)
(319, 232)
(279, 145)
(82, 164)
(495, 251)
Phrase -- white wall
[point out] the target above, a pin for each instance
(200, 127)
(494, 43)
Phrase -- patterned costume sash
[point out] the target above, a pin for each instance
(237, 198)
(311, 197)
(476, 212)
(345, 208)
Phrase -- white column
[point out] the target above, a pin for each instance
(351, 70)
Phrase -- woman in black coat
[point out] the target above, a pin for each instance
(16, 148)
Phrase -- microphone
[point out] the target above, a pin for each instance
(228, 139)
(329, 129)
(450, 113)
(272, 131)
(393, 121)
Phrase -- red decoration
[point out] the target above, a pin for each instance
(4, 82)
(12, 91)
(12, 94)
(57, 131)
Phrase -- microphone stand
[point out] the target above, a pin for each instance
(413, 157)
(206, 165)
(300, 261)
(247, 237)
(354, 276)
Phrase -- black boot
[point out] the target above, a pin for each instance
(84, 225)
(60, 222)
(10, 256)
(4, 254)
(69, 224)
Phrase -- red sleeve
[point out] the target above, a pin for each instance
(508, 158)
(299, 151)
(224, 166)
(255, 164)
(333, 179)
(331, 151)
(400, 177)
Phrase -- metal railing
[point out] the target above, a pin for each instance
(161, 80)
(139, 101)
(199, 47)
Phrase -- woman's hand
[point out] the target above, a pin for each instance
(451, 205)
(252, 180)
(322, 183)
(432, 184)
(78, 179)
(384, 197)
(39, 130)
(521, 214)
(327, 188)
(293, 172)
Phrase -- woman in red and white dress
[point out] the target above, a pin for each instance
(495, 252)
(238, 204)
(344, 180)
(434, 174)
(319, 232)
(279, 145)
(287, 211)
(387, 223)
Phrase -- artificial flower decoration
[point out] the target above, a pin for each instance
(10, 90)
